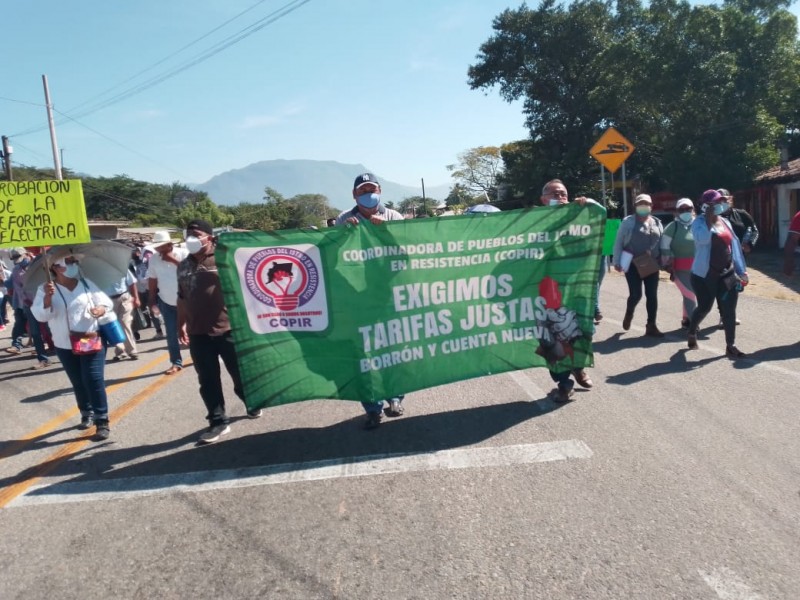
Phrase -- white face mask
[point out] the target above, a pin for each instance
(72, 271)
(553, 202)
(194, 244)
(685, 217)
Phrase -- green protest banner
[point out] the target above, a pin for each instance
(368, 312)
(42, 213)
(612, 226)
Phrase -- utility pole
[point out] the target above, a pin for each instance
(424, 202)
(7, 150)
(51, 124)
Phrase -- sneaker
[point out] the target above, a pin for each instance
(42, 364)
(133, 356)
(214, 433)
(373, 421)
(13, 350)
(254, 414)
(691, 341)
(159, 335)
(684, 323)
(116, 358)
(395, 409)
(86, 422)
(103, 431)
(563, 395)
(582, 378)
(598, 316)
(136, 336)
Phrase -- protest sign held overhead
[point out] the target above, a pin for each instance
(42, 213)
(369, 312)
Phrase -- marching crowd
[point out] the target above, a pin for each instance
(175, 288)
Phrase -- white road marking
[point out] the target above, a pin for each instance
(728, 585)
(533, 391)
(468, 458)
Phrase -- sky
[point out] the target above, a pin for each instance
(377, 82)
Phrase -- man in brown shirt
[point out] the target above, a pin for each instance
(203, 324)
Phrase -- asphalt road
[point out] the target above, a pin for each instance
(677, 476)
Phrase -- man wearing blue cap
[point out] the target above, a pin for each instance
(367, 194)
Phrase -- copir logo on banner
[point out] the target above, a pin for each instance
(283, 288)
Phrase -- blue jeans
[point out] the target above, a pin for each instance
(4, 309)
(36, 334)
(170, 316)
(22, 317)
(86, 374)
(377, 407)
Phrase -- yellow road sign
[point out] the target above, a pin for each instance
(612, 149)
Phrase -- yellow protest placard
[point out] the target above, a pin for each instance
(42, 213)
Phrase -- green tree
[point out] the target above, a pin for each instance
(477, 170)
(204, 209)
(704, 92)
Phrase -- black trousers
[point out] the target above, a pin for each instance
(206, 350)
(707, 290)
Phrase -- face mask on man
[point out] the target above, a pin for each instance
(194, 244)
(369, 200)
(686, 217)
(553, 202)
(642, 211)
(721, 208)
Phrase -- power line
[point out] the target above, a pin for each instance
(120, 144)
(21, 101)
(169, 56)
(202, 57)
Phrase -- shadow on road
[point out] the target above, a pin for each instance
(773, 354)
(342, 441)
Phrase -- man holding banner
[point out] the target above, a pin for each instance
(554, 193)
(203, 324)
(367, 194)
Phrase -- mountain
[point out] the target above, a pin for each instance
(292, 177)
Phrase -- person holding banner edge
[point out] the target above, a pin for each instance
(554, 193)
(204, 326)
(367, 195)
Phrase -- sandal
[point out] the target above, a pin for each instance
(172, 370)
(692, 341)
(733, 352)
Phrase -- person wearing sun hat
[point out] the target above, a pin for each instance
(719, 271)
(370, 209)
(677, 255)
(163, 291)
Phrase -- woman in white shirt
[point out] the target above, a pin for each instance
(72, 304)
